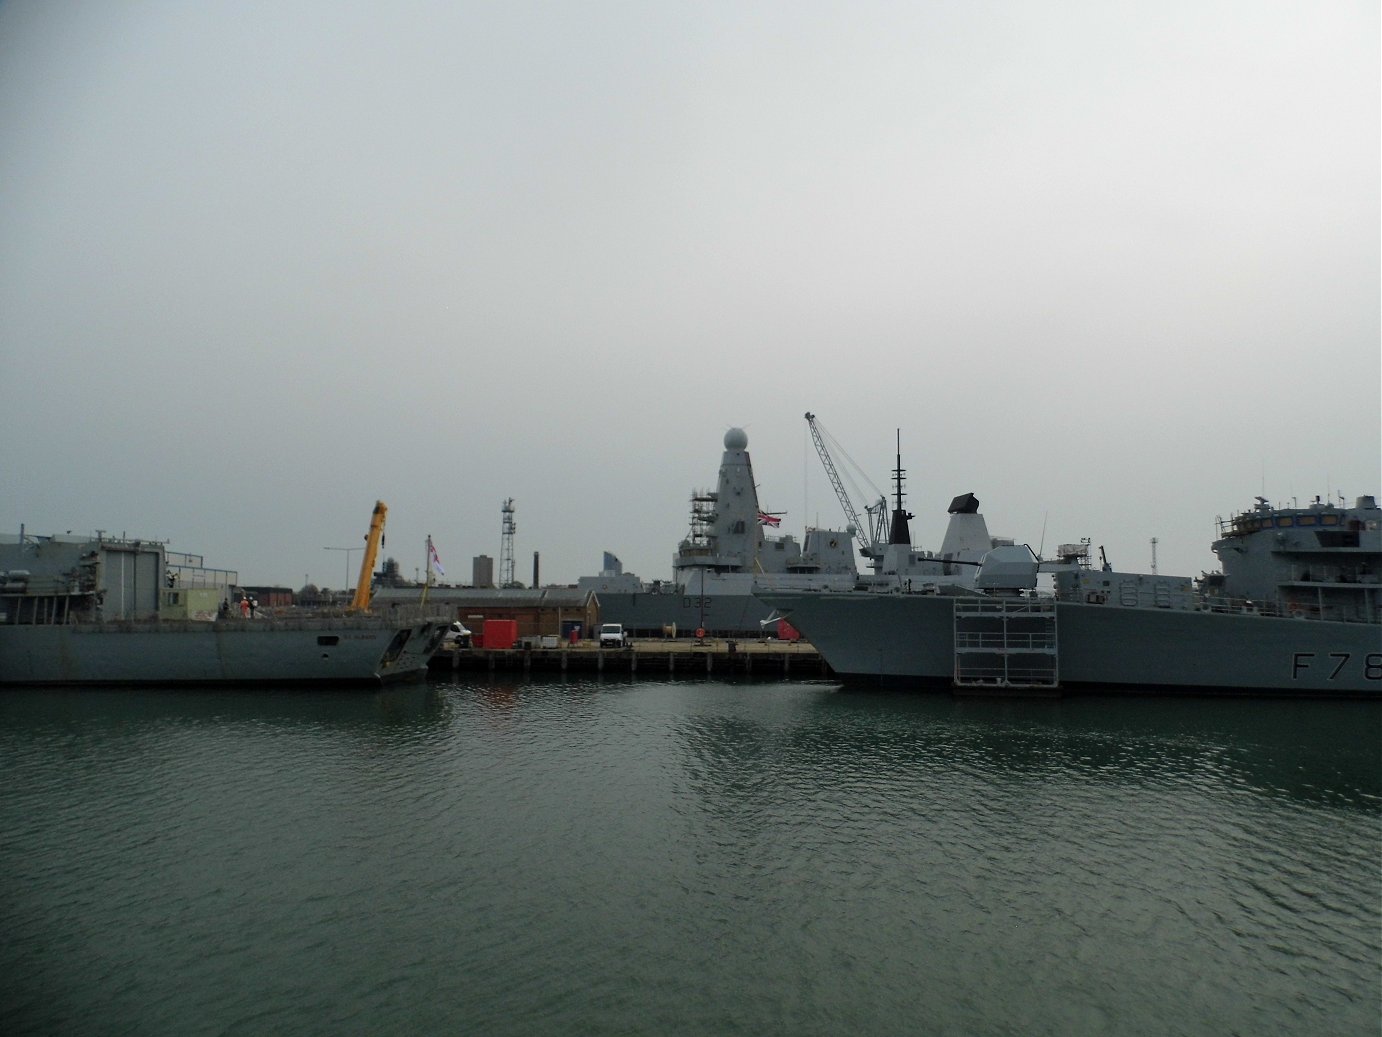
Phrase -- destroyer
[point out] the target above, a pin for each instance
(101, 610)
(728, 557)
(723, 560)
(1296, 609)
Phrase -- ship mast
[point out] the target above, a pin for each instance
(901, 533)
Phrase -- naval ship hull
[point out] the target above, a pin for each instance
(352, 650)
(910, 641)
(653, 613)
(723, 604)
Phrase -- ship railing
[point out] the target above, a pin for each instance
(1334, 576)
(410, 613)
(68, 584)
(1013, 641)
(183, 581)
(1242, 607)
(1283, 609)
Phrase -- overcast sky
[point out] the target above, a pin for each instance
(1112, 267)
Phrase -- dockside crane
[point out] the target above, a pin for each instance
(375, 537)
(869, 535)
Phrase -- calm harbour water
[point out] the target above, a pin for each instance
(621, 857)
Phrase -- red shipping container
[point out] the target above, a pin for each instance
(500, 633)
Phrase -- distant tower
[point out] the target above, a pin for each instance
(482, 571)
(506, 546)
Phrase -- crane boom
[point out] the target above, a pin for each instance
(867, 546)
(373, 539)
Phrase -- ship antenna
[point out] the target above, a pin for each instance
(900, 532)
(1041, 547)
(897, 472)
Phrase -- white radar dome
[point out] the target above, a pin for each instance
(736, 439)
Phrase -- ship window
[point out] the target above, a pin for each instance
(1337, 538)
(1329, 520)
(327, 640)
(1285, 520)
(1307, 520)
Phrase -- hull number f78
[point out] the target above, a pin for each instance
(1334, 663)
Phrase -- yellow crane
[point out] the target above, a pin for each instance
(373, 539)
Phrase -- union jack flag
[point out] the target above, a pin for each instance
(765, 519)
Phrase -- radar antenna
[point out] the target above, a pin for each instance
(901, 532)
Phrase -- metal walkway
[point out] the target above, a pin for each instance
(1006, 643)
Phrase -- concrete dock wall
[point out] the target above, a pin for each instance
(651, 657)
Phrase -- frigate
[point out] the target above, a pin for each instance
(111, 610)
(1295, 609)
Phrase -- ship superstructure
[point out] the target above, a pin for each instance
(726, 554)
(728, 531)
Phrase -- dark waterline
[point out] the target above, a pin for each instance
(619, 857)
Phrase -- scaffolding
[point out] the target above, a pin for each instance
(1006, 643)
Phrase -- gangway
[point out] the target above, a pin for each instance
(1006, 643)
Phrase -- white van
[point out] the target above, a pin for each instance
(612, 635)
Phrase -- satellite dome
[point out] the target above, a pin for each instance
(736, 439)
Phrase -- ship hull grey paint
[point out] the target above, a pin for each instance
(103, 610)
(909, 640)
(724, 605)
(365, 650)
(724, 614)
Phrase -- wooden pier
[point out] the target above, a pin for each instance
(648, 657)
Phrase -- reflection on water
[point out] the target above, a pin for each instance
(610, 855)
(1326, 753)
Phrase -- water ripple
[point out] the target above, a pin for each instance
(642, 857)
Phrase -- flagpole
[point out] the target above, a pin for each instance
(427, 582)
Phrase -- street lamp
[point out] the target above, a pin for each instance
(347, 550)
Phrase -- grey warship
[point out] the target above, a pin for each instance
(80, 610)
(1296, 609)
(725, 558)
